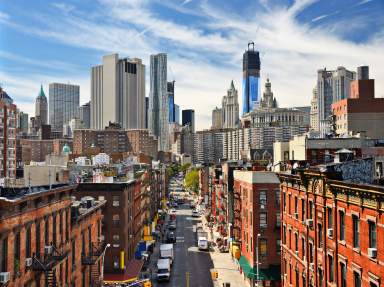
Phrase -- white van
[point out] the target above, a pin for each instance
(163, 269)
(202, 243)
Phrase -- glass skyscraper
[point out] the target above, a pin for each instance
(251, 79)
(171, 101)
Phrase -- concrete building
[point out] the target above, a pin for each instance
(331, 230)
(8, 129)
(306, 114)
(41, 108)
(314, 114)
(141, 141)
(257, 224)
(118, 93)
(188, 118)
(63, 104)
(146, 112)
(45, 174)
(73, 124)
(37, 150)
(332, 86)
(158, 120)
(208, 146)
(23, 123)
(177, 114)
(230, 108)
(217, 118)
(361, 112)
(251, 79)
(85, 115)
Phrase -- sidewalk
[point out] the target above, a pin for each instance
(223, 263)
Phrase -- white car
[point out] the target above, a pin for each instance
(195, 213)
(202, 243)
(173, 211)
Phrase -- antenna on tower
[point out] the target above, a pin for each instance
(250, 42)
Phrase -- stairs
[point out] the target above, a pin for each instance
(95, 275)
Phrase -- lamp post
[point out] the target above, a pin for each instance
(257, 259)
(102, 264)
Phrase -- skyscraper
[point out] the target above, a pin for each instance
(63, 104)
(171, 100)
(188, 118)
(85, 115)
(23, 122)
(217, 118)
(251, 78)
(177, 114)
(146, 111)
(158, 122)
(230, 108)
(41, 108)
(118, 93)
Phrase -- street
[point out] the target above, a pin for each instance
(190, 263)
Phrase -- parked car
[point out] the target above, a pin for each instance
(171, 237)
(172, 225)
(195, 213)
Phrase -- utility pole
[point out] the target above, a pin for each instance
(257, 259)
(187, 278)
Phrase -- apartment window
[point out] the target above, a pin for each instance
(263, 198)
(67, 226)
(310, 252)
(290, 239)
(319, 235)
(356, 279)
(16, 253)
(302, 209)
(116, 240)
(277, 197)
(356, 231)
(28, 243)
(303, 246)
(296, 242)
(320, 276)
(82, 243)
(297, 278)
(116, 200)
(343, 275)
(296, 208)
(263, 247)
(310, 210)
(284, 202)
(61, 227)
(4, 255)
(289, 204)
(342, 225)
(330, 268)
(278, 246)
(263, 220)
(372, 234)
(284, 235)
(54, 229)
(278, 219)
(46, 232)
(73, 255)
(329, 217)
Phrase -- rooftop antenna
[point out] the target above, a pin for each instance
(250, 42)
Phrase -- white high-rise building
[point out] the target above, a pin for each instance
(158, 114)
(230, 109)
(118, 93)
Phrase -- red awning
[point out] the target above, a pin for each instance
(131, 273)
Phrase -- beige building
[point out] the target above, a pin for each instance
(230, 109)
(314, 112)
(217, 118)
(118, 93)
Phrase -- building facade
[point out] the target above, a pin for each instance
(314, 117)
(41, 108)
(118, 93)
(23, 123)
(158, 119)
(63, 104)
(85, 115)
(171, 101)
(188, 118)
(331, 231)
(217, 118)
(208, 146)
(230, 109)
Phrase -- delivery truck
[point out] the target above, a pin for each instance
(163, 269)
(166, 252)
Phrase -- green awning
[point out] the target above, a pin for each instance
(271, 273)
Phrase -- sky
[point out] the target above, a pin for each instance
(45, 41)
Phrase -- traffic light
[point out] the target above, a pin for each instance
(214, 274)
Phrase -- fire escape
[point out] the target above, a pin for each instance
(92, 259)
(237, 215)
(48, 262)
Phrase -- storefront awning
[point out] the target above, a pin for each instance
(131, 273)
(271, 273)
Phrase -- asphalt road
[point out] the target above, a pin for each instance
(189, 261)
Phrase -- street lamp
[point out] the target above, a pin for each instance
(257, 259)
(102, 264)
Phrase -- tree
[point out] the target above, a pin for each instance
(184, 167)
(192, 180)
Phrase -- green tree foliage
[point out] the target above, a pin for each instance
(192, 180)
(172, 170)
(184, 167)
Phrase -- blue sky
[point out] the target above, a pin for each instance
(46, 41)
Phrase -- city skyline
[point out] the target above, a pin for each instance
(198, 36)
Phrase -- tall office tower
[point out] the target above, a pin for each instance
(217, 118)
(146, 111)
(23, 122)
(188, 118)
(8, 125)
(41, 108)
(85, 115)
(63, 104)
(251, 79)
(171, 100)
(177, 114)
(230, 108)
(332, 86)
(118, 93)
(314, 111)
(158, 120)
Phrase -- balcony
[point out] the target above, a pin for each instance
(49, 260)
(94, 255)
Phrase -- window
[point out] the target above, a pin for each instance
(297, 278)
(329, 217)
(38, 239)
(290, 239)
(304, 280)
(263, 220)
(372, 234)
(278, 219)
(46, 232)
(54, 229)
(28, 243)
(73, 255)
(284, 202)
(263, 247)
(303, 246)
(320, 276)
(343, 275)
(16, 253)
(277, 197)
(82, 243)
(296, 208)
(310, 252)
(4, 255)
(319, 235)
(310, 210)
(330, 268)
(356, 279)
(278, 246)
(116, 201)
(342, 225)
(284, 235)
(356, 235)
(302, 209)
(61, 227)
(289, 204)
(296, 242)
(263, 198)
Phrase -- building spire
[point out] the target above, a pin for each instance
(41, 94)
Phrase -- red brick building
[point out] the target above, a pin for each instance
(332, 231)
(257, 225)
(42, 242)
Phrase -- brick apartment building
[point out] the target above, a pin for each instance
(8, 126)
(37, 150)
(257, 225)
(40, 242)
(122, 226)
(332, 231)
